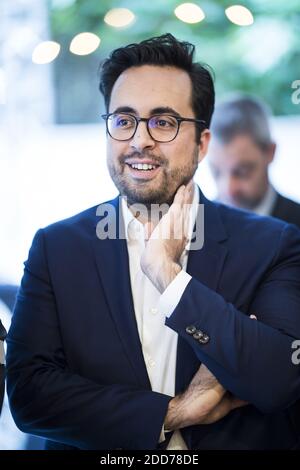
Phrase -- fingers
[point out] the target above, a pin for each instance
(148, 229)
(189, 190)
(227, 404)
(179, 196)
(237, 403)
(180, 209)
(184, 193)
(174, 225)
(218, 412)
(186, 218)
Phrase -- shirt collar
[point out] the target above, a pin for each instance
(134, 228)
(267, 203)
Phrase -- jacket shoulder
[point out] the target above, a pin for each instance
(259, 237)
(287, 210)
(245, 220)
(84, 220)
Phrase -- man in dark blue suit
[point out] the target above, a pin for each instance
(240, 154)
(132, 328)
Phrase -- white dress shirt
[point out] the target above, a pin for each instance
(159, 342)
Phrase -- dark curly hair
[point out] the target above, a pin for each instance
(162, 50)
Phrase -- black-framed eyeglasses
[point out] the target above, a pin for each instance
(161, 127)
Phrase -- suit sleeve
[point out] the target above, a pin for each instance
(49, 400)
(252, 359)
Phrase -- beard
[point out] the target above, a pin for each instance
(152, 192)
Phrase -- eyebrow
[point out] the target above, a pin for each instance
(158, 110)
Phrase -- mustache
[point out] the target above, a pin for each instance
(156, 159)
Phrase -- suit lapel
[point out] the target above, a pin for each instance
(206, 264)
(113, 267)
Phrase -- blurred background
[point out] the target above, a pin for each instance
(52, 140)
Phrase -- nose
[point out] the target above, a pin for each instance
(142, 139)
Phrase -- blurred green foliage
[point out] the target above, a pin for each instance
(261, 59)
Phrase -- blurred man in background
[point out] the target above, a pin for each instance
(240, 154)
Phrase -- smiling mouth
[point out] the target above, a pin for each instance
(141, 171)
(142, 166)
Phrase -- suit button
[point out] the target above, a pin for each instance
(198, 334)
(204, 339)
(191, 329)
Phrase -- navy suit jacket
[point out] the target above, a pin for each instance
(76, 373)
(287, 210)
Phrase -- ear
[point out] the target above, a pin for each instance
(203, 144)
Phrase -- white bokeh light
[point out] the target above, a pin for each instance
(84, 43)
(189, 13)
(45, 52)
(119, 17)
(239, 15)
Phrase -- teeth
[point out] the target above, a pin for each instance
(143, 166)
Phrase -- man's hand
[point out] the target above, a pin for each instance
(166, 241)
(205, 401)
